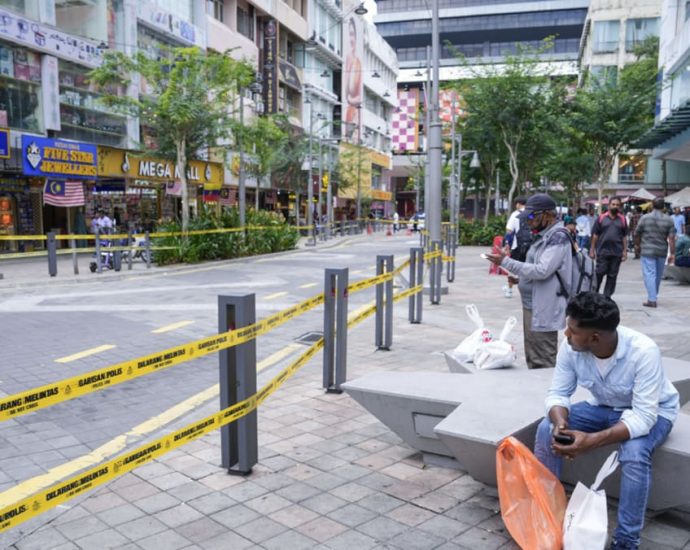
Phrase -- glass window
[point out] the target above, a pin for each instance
(82, 116)
(638, 30)
(27, 8)
(631, 168)
(603, 75)
(87, 19)
(605, 36)
(245, 21)
(215, 9)
(181, 8)
(680, 89)
(20, 91)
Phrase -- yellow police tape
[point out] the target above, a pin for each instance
(23, 255)
(371, 281)
(53, 496)
(23, 237)
(431, 255)
(96, 380)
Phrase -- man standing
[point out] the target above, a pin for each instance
(683, 249)
(584, 229)
(519, 240)
(609, 247)
(655, 240)
(633, 403)
(678, 222)
(543, 299)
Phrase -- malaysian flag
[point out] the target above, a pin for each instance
(228, 196)
(63, 193)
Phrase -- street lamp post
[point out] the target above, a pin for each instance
(358, 213)
(241, 190)
(310, 186)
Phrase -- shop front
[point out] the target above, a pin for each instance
(146, 189)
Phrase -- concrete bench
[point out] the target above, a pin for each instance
(465, 416)
(680, 274)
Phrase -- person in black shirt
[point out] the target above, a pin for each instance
(609, 249)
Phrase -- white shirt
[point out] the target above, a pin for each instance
(513, 226)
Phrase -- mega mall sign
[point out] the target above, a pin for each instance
(58, 158)
(117, 163)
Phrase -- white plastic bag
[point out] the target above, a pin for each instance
(497, 353)
(585, 523)
(465, 351)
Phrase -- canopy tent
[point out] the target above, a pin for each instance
(681, 198)
(643, 195)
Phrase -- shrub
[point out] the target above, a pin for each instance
(474, 233)
(272, 234)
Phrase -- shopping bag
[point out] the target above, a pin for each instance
(585, 526)
(532, 499)
(465, 350)
(497, 354)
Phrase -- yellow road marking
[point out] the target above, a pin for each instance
(85, 353)
(173, 326)
(117, 444)
(275, 295)
(308, 285)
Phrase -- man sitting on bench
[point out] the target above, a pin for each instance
(632, 403)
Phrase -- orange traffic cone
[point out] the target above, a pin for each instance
(389, 233)
(369, 229)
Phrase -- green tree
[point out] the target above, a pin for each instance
(353, 166)
(188, 92)
(613, 114)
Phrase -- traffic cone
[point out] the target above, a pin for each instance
(388, 232)
(369, 229)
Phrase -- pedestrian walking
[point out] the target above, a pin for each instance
(609, 246)
(683, 249)
(518, 240)
(549, 259)
(583, 228)
(656, 242)
(678, 222)
(396, 221)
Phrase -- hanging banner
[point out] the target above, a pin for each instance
(4, 143)
(55, 157)
(270, 68)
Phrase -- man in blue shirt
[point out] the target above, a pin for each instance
(632, 403)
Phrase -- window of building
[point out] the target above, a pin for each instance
(603, 75)
(680, 89)
(20, 90)
(631, 168)
(82, 116)
(605, 36)
(215, 9)
(181, 8)
(27, 8)
(638, 30)
(245, 21)
(687, 10)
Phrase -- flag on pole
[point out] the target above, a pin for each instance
(63, 193)
(227, 196)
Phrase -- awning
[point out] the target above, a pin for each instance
(681, 198)
(673, 124)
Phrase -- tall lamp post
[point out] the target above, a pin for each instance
(358, 213)
(310, 185)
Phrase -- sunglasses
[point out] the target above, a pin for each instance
(533, 215)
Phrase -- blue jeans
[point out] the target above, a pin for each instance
(652, 272)
(583, 241)
(634, 455)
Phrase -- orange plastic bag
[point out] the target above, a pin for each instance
(532, 499)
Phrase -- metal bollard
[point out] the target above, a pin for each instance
(75, 263)
(416, 279)
(335, 329)
(147, 243)
(451, 245)
(435, 271)
(384, 304)
(52, 254)
(99, 266)
(130, 245)
(239, 439)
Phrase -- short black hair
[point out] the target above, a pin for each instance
(658, 204)
(615, 198)
(521, 200)
(594, 310)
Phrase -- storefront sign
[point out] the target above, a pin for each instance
(50, 92)
(58, 158)
(26, 32)
(161, 20)
(381, 195)
(4, 143)
(270, 68)
(118, 163)
(290, 75)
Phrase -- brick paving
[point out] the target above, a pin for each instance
(330, 475)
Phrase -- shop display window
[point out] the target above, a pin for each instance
(20, 90)
(83, 117)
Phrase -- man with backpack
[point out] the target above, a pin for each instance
(609, 245)
(544, 280)
(519, 237)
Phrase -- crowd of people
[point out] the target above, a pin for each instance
(632, 401)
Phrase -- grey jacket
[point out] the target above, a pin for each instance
(551, 251)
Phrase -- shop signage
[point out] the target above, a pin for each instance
(290, 76)
(381, 195)
(58, 158)
(4, 143)
(118, 163)
(161, 20)
(48, 40)
(270, 68)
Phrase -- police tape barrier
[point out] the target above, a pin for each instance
(371, 281)
(448, 259)
(370, 309)
(63, 390)
(23, 238)
(34, 505)
(398, 270)
(431, 255)
(16, 255)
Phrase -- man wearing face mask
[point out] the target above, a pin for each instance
(609, 245)
(543, 295)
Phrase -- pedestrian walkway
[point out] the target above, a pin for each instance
(329, 474)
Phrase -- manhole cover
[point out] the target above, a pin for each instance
(310, 337)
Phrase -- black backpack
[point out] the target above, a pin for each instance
(582, 277)
(524, 240)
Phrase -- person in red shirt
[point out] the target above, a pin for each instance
(609, 246)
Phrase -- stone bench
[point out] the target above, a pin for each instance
(465, 416)
(680, 274)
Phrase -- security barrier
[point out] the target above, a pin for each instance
(236, 343)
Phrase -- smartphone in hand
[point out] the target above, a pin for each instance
(564, 439)
(484, 256)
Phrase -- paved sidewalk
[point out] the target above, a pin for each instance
(330, 475)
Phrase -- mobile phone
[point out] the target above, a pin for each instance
(484, 256)
(564, 439)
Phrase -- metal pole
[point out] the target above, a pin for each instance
(130, 245)
(497, 198)
(435, 274)
(433, 211)
(240, 144)
(320, 195)
(329, 199)
(335, 329)
(359, 164)
(452, 199)
(416, 279)
(384, 304)
(310, 184)
(99, 266)
(147, 243)
(239, 439)
(52, 254)
(460, 186)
